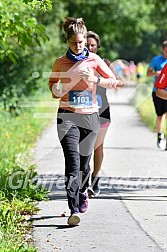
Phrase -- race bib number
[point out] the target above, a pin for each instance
(80, 99)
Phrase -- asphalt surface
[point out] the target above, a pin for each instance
(130, 214)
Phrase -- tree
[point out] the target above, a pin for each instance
(20, 29)
(20, 34)
(117, 22)
(160, 12)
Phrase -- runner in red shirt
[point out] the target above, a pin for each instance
(161, 84)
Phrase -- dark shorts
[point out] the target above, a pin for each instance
(104, 115)
(159, 104)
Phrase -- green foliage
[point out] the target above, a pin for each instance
(118, 22)
(128, 29)
(19, 29)
(55, 15)
(18, 179)
(16, 82)
(14, 229)
(20, 34)
(22, 49)
(147, 113)
(22, 184)
(159, 11)
(19, 133)
(10, 100)
(42, 5)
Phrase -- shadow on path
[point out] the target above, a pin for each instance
(117, 188)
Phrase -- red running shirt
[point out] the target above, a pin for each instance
(161, 82)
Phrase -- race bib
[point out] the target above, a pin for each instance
(80, 99)
(99, 100)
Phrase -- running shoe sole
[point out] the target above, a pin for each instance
(162, 144)
(73, 220)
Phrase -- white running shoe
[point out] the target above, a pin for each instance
(161, 141)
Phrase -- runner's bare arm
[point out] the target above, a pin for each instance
(151, 72)
(162, 93)
(89, 76)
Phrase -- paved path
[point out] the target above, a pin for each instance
(130, 214)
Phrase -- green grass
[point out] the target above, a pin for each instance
(144, 104)
(147, 113)
(19, 193)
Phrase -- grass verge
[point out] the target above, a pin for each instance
(143, 103)
(19, 192)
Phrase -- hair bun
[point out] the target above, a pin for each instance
(74, 26)
(80, 21)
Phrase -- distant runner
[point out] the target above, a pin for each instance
(154, 69)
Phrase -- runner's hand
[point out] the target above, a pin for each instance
(56, 92)
(119, 83)
(88, 76)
